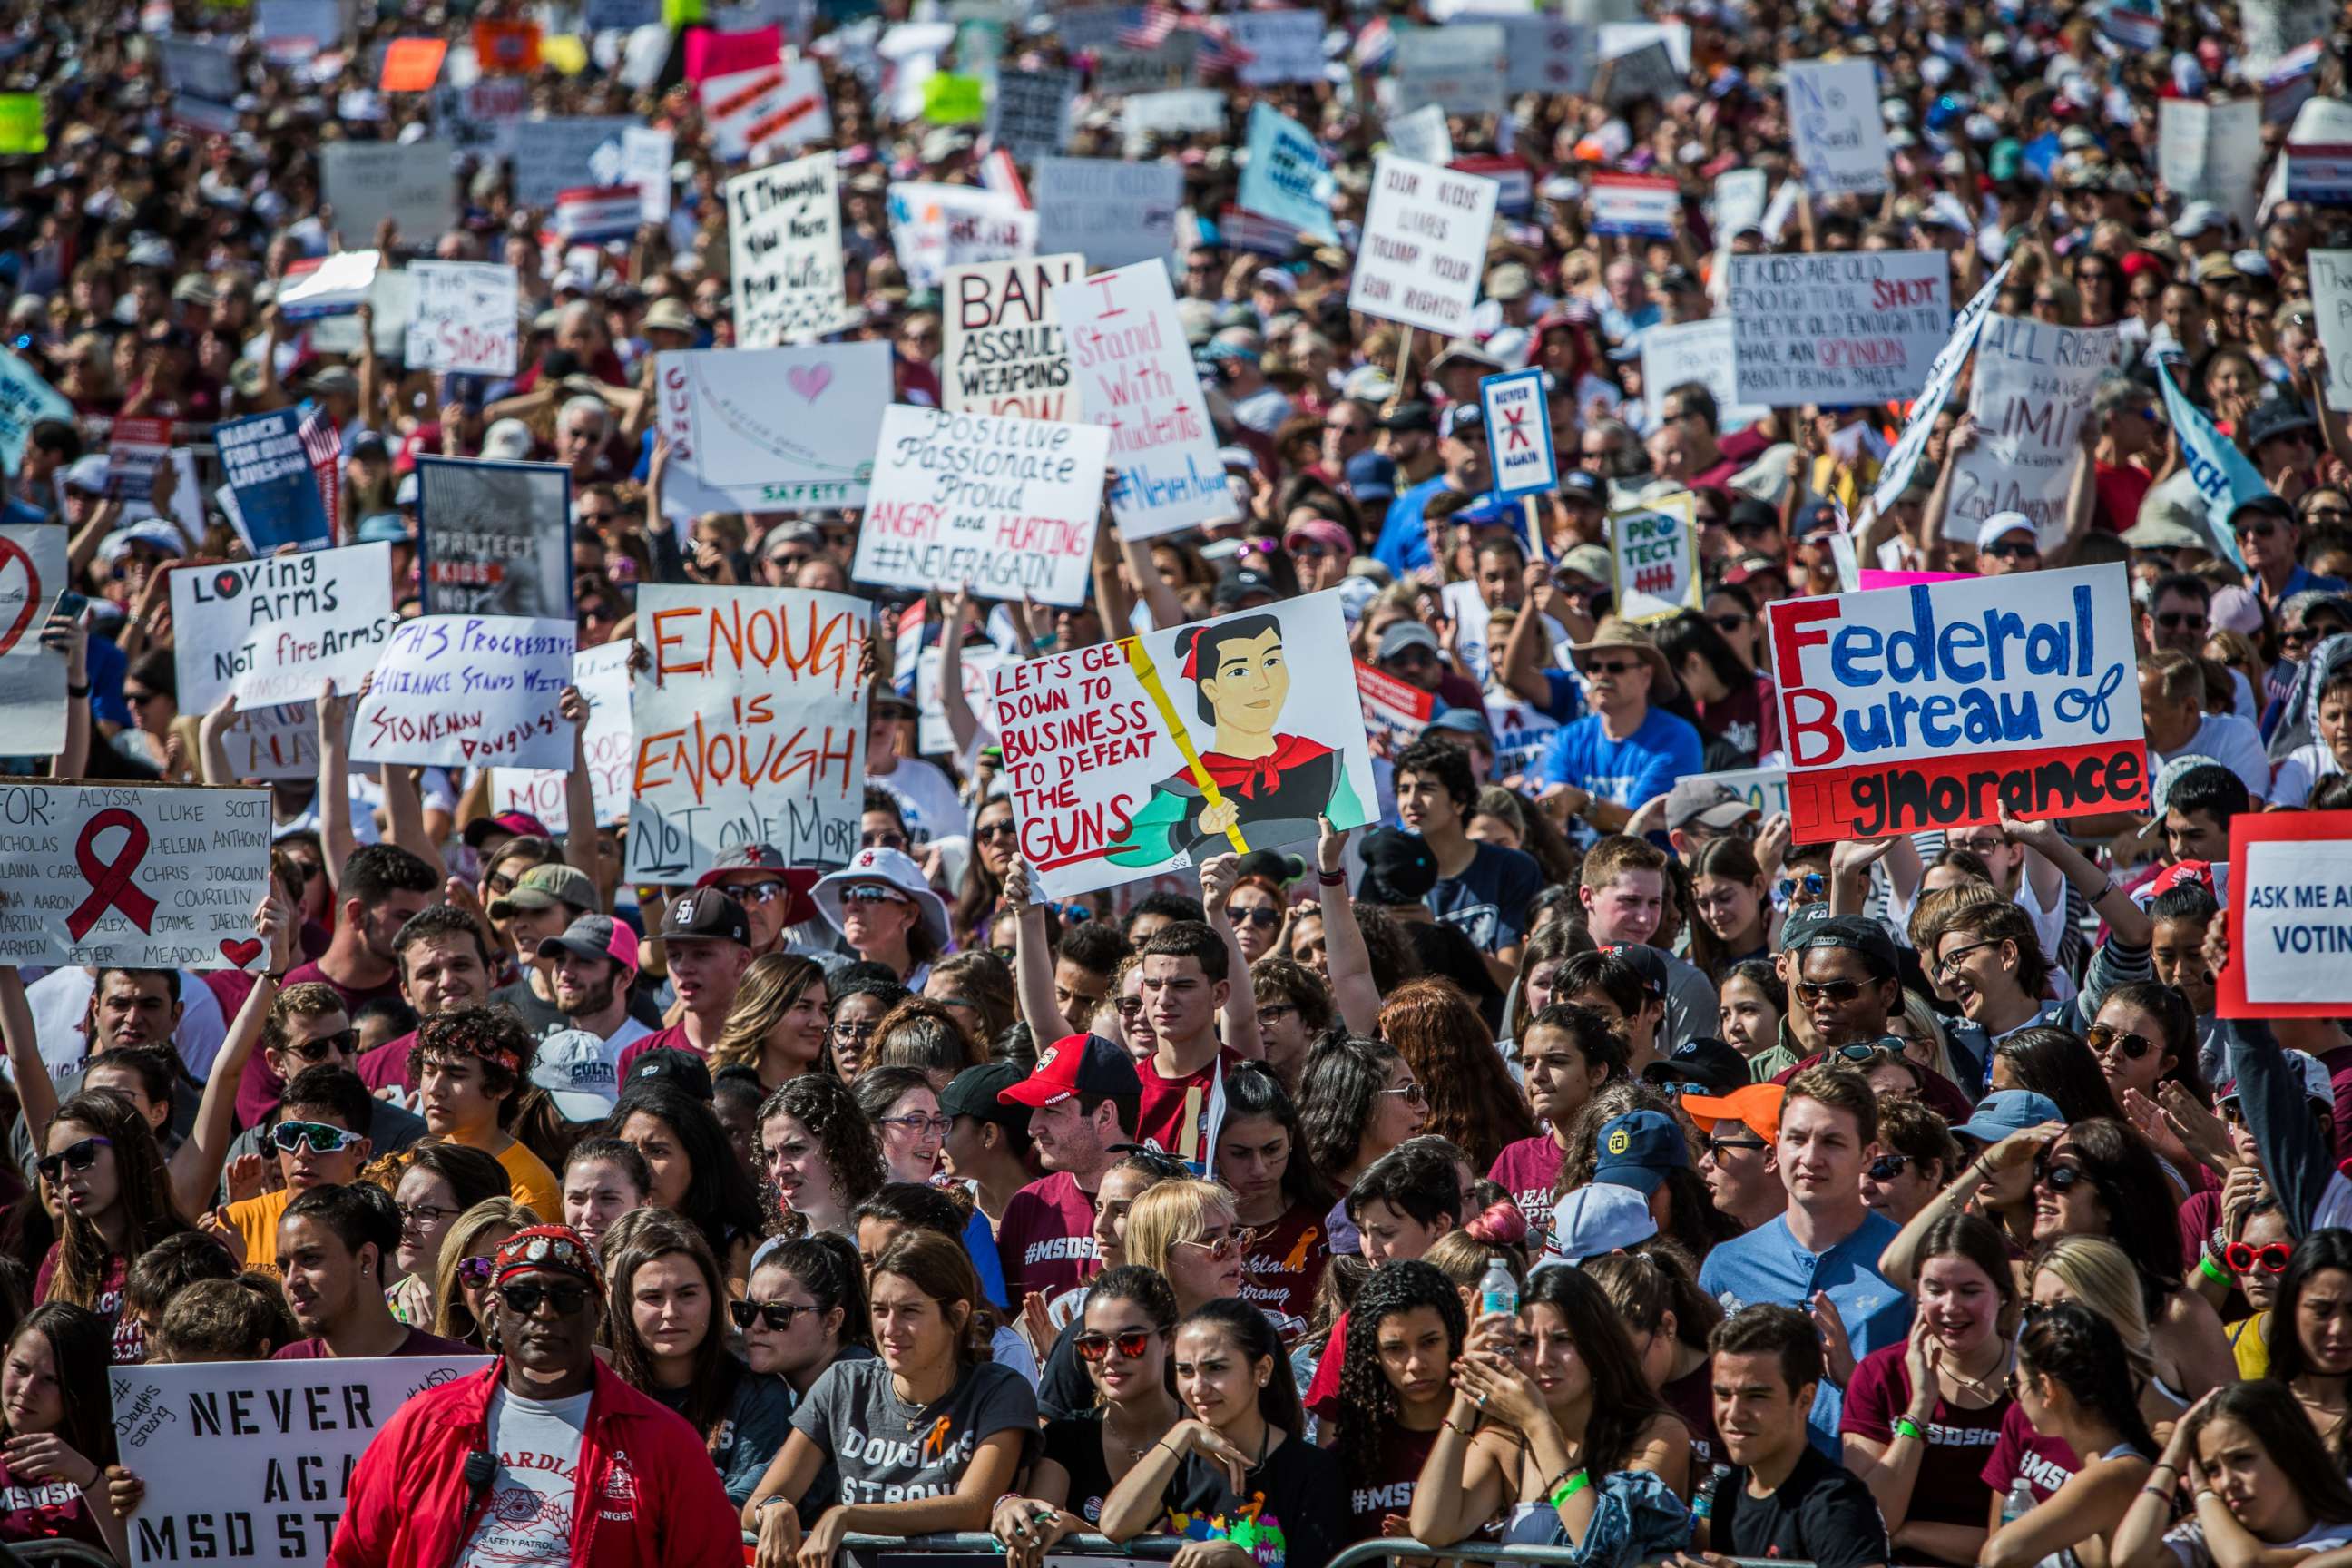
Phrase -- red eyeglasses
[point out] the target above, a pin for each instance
(1131, 1343)
(2245, 1257)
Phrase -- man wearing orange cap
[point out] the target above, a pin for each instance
(1737, 1158)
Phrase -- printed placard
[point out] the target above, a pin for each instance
(470, 690)
(468, 317)
(1005, 507)
(1033, 113)
(277, 629)
(1656, 552)
(1111, 213)
(1635, 204)
(783, 233)
(494, 539)
(2030, 393)
(410, 183)
(32, 675)
(1458, 68)
(1684, 352)
(1135, 376)
(751, 727)
(2290, 916)
(602, 674)
(1288, 177)
(1396, 709)
(935, 226)
(1132, 758)
(1002, 349)
(1424, 246)
(277, 490)
(1834, 120)
(793, 428)
(246, 1461)
(1766, 789)
(154, 877)
(1518, 433)
(1277, 46)
(1939, 705)
(1850, 328)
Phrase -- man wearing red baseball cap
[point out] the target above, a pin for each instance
(1084, 1097)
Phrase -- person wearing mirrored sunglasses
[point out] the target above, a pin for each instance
(1915, 1157)
(319, 1139)
(334, 1246)
(569, 1433)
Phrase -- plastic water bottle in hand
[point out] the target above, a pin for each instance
(2018, 1502)
(1498, 1292)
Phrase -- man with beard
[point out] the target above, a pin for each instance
(595, 963)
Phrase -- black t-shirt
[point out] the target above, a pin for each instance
(1823, 1514)
(1077, 1445)
(1064, 1389)
(1293, 1514)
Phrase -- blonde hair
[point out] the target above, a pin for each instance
(1921, 1015)
(2098, 1274)
(451, 1318)
(1168, 1213)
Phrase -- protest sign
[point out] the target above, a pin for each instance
(950, 98)
(2212, 152)
(2031, 395)
(22, 124)
(468, 317)
(290, 31)
(1113, 214)
(1033, 115)
(25, 400)
(1656, 552)
(648, 158)
(156, 877)
(1700, 350)
(1151, 754)
(1122, 69)
(1424, 246)
(1641, 75)
(1544, 53)
(1834, 117)
(1396, 709)
(709, 52)
(494, 539)
(602, 674)
(1421, 137)
(2331, 300)
(410, 183)
(936, 227)
(1175, 114)
(1855, 328)
(1739, 198)
(1288, 177)
(2275, 28)
(32, 675)
(246, 1462)
(276, 628)
(2290, 916)
(279, 742)
(1635, 204)
(137, 448)
(1895, 473)
(751, 727)
(1277, 46)
(1518, 433)
(1005, 507)
(1941, 705)
(468, 692)
(799, 425)
(2319, 172)
(552, 156)
(933, 736)
(1766, 789)
(783, 233)
(1001, 350)
(1458, 68)
(279, 500)
(1135, 375)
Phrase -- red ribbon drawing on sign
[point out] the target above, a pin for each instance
(110, 884)
(12, 551)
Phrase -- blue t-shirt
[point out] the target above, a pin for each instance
(1403, 544)
(1767, 1265)
(981, 1242)
(1488, 901)
(1643, 765)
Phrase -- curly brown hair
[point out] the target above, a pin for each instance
(1471, 1100)
(853, 1148)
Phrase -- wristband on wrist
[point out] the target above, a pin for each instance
(1331, 878)
(1906, 1427)
(1576, 1481)
(2205, 1265)
(79, 692)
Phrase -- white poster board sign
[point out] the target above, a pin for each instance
(2031, 393)
(1838, 329)
(1113, 214)
(796, 427)
(1834, 120)
(2331, 300)
(469, 691)
(1458, 68)
(602, 674)
(1003, 351)
(1700, 350)
(32, 676)
(784, 235)
(1656, 552)
(1424, 247)
(154, 877)
(410, 183)
(278, 628)
(468, 317)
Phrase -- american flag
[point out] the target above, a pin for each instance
(1219, 50)
(323, 445)
(1150, 30)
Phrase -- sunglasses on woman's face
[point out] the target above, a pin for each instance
(1224, 1246)
(777, 1315)
(78, 1156)
(474, 1273)
(1259, 915)
(1131, 1342)
(2100, 1037)
(1887, 1167)
(2058, 1178)
(2245, 1257)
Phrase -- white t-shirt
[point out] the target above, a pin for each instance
(2230, 742)
(60, 1005)
(528, 1521)
(2299, 772)
(926, 799)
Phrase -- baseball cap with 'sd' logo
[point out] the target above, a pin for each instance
(1638, 1149)
(707, 914)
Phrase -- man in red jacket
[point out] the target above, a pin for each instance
(546, 1456)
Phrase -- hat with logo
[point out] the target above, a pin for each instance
(678, 1067)
(1638, 1149)
(544, 887)
(1860, 935)
(581, 1072)
(1704, 1063)
(595, 936)
(765, 859)
(705, 914)
(1647, 962)
(548, 1248)
(1076, 1063)
(894, 869)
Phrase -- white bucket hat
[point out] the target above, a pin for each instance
(895, 868)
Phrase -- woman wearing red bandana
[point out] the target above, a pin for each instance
(1271, 785)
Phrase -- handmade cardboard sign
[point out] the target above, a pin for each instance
(154, 877)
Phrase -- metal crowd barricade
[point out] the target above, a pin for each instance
(973, 1550)
(56, 1554)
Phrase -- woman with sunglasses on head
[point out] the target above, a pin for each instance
(820, 1156)
(603, 1179)
(2073, 1384)
(904, 1111)
(1406, 1330)
(2263, 1489)
(778, 1024)
(2309, 1335)
(886, 912)
(1237, 1476)
(461, 1280)
(1358, 1100)
(1566, 1054)
(860, 1002)
(439, 1181)
(101, 1162)
(1919, 1415)
(1123, 1342)
(1185, 1232)
(1262, 1159)
(696, 1174)
(932, 1424)
(664, 1322)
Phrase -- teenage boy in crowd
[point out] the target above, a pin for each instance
(333, 1244)
(1483, 890)
(1622, 888)
(318, 1140)
(1084, 1097)
(707, 942)
(444, 965)
(469, 1067)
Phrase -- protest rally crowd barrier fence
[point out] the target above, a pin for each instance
(870, 1550)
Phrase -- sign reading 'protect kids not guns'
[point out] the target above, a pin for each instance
(1939, 705)
(1149, 754)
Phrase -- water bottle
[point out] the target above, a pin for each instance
(1498, 1292)
(2018, 1502)
(1703, 1499)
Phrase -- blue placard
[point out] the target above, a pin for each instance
(277, 491)
(1518, 433)
(1287, 178)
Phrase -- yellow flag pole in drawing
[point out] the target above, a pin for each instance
(1147, 674)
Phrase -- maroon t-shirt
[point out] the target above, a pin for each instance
(1283, 1268)
(1691, 1397)
(1528, 1170)
(1388, 1489)
(1047, 1240)
(673, 1038)
(386, 1067)
(418, 1342)
(1166, 1101)
(1951, 1485)
(354, 997)
(49, 1510)
(2020, 1450)
(130, 1334)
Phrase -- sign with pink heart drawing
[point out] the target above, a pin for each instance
(783, 430)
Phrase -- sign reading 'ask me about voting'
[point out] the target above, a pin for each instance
(1939, 705)
(2290, 916)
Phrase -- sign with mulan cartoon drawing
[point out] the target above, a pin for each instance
(1151, 754)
